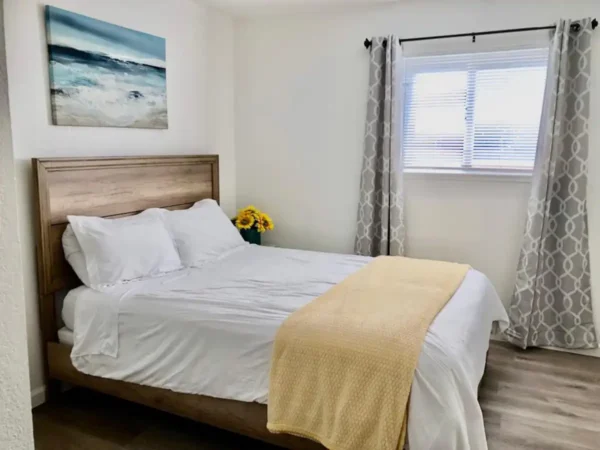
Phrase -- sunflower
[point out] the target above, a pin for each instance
(251, 209)
(265, 222)
(244, 221)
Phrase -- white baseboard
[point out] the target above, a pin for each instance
(594, 353)
(38, 396)
(498, 337)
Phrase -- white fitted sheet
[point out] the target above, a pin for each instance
(210, 331)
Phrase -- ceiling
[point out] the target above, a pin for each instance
(251, 7)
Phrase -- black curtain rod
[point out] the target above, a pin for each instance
(575, 27)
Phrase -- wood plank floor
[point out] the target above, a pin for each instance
(538, 399)
(541, 399)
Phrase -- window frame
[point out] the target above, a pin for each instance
(471, 67)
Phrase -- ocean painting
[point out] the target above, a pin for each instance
(104, 75)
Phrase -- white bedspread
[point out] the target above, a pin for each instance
(210, 331)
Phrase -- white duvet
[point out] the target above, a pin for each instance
(210, 331)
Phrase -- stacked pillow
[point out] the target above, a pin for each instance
(107, 252)
(202, 233)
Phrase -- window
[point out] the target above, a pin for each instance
(478, 111)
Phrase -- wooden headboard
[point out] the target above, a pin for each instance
(106, 187)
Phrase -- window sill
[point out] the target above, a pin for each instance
(468, 175)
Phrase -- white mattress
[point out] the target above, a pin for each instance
(210, 331)
(65, 336)
(68, 311)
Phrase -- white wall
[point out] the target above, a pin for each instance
(197, 38)
(15, 417)
(301, 92)
(220, 114)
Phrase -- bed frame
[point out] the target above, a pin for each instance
(112, 188)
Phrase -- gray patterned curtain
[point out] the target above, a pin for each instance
(380, 228)
(552, 303)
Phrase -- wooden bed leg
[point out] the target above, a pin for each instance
(49, 328)
(53, 390)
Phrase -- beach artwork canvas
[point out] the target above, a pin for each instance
(105, 75)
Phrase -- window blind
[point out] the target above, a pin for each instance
(474, 111)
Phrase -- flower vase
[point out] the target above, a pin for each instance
(252, 236)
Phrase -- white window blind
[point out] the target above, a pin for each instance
(476, 111)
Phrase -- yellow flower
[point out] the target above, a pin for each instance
(250, 211)
(251, 217)
(244, 221)
(265, 223)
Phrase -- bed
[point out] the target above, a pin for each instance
(197, 343)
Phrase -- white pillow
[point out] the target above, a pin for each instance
(202, 233)
(74, 255)
(74, 252)
(121, 250)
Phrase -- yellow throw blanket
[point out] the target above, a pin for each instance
(342, 366)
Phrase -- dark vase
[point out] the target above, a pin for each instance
(252, 236)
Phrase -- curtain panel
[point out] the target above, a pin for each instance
(380, 223)
(552, 304)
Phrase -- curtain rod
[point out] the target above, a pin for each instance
(574, 27)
